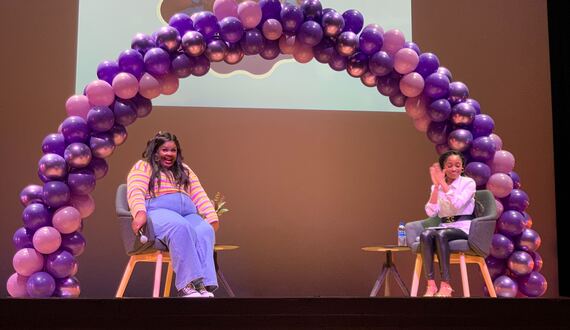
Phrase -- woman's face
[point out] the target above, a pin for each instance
(167, 154)
(452, 167)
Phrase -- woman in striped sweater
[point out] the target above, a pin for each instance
(161, 187)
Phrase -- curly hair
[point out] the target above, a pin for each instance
(443, 157)
(178, 172)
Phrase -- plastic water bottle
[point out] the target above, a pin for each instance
(402, 234)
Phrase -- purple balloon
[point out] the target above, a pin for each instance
(234, 55)
(119, 134)
(60, 263)
(143, 106)
(206, 23)
(437, 132)
(518, 200)
(427, 64)
(52, 166)
(529, 241)
(67, 287)
(270, 9)
(347, 43)
(476, 105)
(501, 246)
(333, 23)
(439, 110)
(181, 66)
(380, 63)
(537, 260)
(168, 38)
(124, 112)
(497, 267)
(107, 70)
(74, 243)
(22, 238)
(291, 18)
(252, 42)
(81, 182)
(310, 33)
(460, 139)
(516, 179)
(389, 85)
(100, 119)
(40, 285)
(193, 43)
(56, 194)
(371, 40)
(270, 49)
(398, 100)
(505, 287)
(436, 86)
(483, 149)
(181, 22)
(357, 65)
(216, 50)
(483, 125)
(413, 46)
(324, 50)
(231, 29)
(480, 172)
(31, 194)
(520, 263)
(54, 143)
(142, 43)
(527, 220)
(35, 216)
(511, 223)
(446, 72)
(533, 285)
(75, 129)
(201, 67)
(99, 167)
(312, 9)
(101, 145)
(458, 92)
(77, 155)
(462, 114)
(353, 21)
(156, 61)
(131, 61)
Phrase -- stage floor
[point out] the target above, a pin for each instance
(286, 313)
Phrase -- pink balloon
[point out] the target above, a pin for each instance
(27, 261)
(125, 85)
(85, 204)
(272, 29)
(303, 53)
(422, 123)
(225, 8)
(406, 60)
(16, 286)
(502, 162)
(169, 84)
(77, 105)
(249, 13)
(500, 184)
(412, 84)
(99, 92)
(500, 207)
(498, 141)
(416, 107)
(46, 240)
(394, 40)
(287, 44)
(149, 86)
(67, 219)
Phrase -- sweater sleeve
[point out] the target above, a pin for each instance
(137, 186)
(200, 199)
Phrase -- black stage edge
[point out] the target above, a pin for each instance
(285, 313)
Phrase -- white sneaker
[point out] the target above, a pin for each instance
(189, 292)
(206, 294)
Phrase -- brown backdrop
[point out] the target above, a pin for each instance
(306, 189)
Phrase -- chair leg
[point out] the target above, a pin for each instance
(126, 277)
(464, 277)
(416, 277)
(157, 275)
(487, 277)
(168, 283)
(225, 283)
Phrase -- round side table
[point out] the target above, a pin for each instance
(223, 281)
(388, 267)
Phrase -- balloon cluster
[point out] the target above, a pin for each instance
(74, 158)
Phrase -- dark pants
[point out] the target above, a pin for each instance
(434, 241)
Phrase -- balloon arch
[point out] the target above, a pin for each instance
(74, 158)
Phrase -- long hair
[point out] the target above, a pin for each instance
(177, 172)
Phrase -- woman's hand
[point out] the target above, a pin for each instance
(439, 176)
(433, 174)
(215, 225)
(138, 222)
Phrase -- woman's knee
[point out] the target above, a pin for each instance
(427, 235)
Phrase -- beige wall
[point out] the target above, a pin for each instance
(306, 189)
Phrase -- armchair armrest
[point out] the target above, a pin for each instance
(481, 234)
(415, 228)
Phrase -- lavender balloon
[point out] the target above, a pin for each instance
(501, 246)
(460, 139)
(479, 172)
(353, 21)
(54, 144)
(483, 149)
(52, 166)
(439, 110)
(36, 215)
(505, 287)
(511, 223)
(500, 184)
(75, 129)
(437, 86)
(503, 162)
(371, 40)
(333, 23)
(181, 22)
(458, 92)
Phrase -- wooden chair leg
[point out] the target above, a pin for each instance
(464, 277)
(225, 283)
(157, 275)
(487, 278)
(416, 277)
(168, 283)
(126, 277)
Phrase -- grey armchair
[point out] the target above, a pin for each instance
(472, 250)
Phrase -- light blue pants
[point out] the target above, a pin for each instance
(189, 238)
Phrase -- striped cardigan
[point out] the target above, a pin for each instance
(137, 190)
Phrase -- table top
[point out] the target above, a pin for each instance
(225, 247)
(386, 247)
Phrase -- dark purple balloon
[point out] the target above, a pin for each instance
(529, 241)
(56, 194)
(412, 45)
(483, 149)
(511, 223)
(206, 23)
(143, 106)
(520, 263)
(132, 61)
(389, 85)
(216, 50)
(439, 110)
(501, 246)
(497, 267)
(332, 23)
(436, 86)
(119, 134)
(482, 125)
(40, 285)
(516, 179)
(380, 63)
(181, 22)
(427, 64)
(100, 119)
(437, 132)
(234, 55)
(353, 21)
(54, 143)
(193, 43)
(269, 9)
(60, 263)
(270, 49)
(533, 284)
(441, 148)
(252, 42)
(517, 200)
(142, 43)
(168, 38)
(291, 18)
(347, 43)
(201, 67)
(310, 33)
(52, 166)
(81, 182)
(75, 129)
(475, 104)
(324, 50)
(77, 155)
(22, 238)
(74, 243)
(67, 287)
(156, 61)
(527, 220)
(446, 72)
(480, 172)
(124, 112)
(398, 100)
(182, 66)
(99, 167)
(36, 215)
(337, 61)
(231, 29)
(462, 114)
(31, 194)
(505, 287)
(458, 92)
(460, 139)
(312, 9)
(357, 65)
(107, 70)
(371, 40)
(537, 261)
